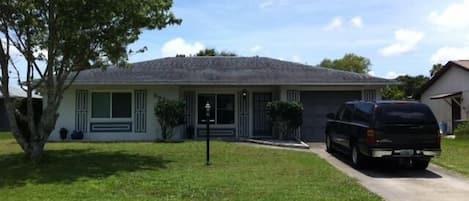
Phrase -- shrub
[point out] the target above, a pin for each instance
(170, 113)
(286, 116)
(462, 130)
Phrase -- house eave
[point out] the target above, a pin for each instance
(383, 84)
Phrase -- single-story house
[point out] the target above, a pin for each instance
(447, 94)
(16, 93)
(118, 104)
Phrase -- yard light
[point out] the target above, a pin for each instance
(207, 107)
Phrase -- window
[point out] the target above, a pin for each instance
(111, 105)
(405, 114)
(363, 112)
(223, 110)
(100, 103)
(347, 113)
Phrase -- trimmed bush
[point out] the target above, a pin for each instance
(286, 116)
(170, 113)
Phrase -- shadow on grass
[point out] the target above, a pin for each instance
(66, 166)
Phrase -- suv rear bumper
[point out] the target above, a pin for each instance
(380, 152)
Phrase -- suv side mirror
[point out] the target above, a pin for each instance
(330, 116)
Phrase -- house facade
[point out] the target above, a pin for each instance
(118, 104)
(447, 94)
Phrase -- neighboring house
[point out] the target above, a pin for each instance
(118, 104)
(16, 93)
(447, 93)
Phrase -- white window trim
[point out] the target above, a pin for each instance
(216, 115)
(110, 106)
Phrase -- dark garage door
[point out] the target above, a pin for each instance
(316, 106)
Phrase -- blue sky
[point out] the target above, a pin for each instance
(398, 36)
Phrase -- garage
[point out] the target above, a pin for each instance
(316, 106)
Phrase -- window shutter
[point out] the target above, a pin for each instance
(140, 111)
(81, 110)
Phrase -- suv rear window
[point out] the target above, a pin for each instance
(404, 114)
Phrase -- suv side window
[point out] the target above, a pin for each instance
(347, 113)
(339, 113)
(363, 112)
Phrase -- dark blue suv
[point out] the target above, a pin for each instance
(403, 130)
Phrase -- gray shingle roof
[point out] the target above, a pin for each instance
(224, 71)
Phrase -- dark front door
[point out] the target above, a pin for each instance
(316, 106)
(455, 112)
(261, 123)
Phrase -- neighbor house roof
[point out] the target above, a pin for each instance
(224, 71)
(17, 92)
(463, 64)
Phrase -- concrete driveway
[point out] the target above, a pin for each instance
(434, 183)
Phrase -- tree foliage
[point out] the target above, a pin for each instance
(170, 113)
(286, 116)
(435, 69)
(349, 62)
(59, 38)
(213, 52)
(410, 86)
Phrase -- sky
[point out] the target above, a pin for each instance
(398, 36)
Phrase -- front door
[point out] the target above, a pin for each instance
(455, 112)
(262, 127)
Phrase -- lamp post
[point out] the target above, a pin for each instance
(207, 108)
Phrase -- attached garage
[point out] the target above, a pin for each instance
(316, 106)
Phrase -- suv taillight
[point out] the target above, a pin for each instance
(370, 136)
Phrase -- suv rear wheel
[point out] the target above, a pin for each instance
(359, 160)
(329, 147)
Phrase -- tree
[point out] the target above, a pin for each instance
(170, 114)
(410, 86)
(435, 69)
(213, 52)
(349, 62)
(59, 38)
(286, 116)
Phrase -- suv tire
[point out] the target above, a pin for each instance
(328, 142)
(359, 161)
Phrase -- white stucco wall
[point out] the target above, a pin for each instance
(67, 108)
(454, 80)
(153, 130)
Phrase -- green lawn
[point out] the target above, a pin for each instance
(5, 136)
(159, 171)
(454, 155)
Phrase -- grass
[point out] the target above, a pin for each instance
(454, 155)
(171, 171)
(5, 136)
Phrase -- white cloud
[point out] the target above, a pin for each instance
(445, 54)
(334, 24)
(256, 48)
(405, 41)
(356, 22)
(372, 73)
(455, 16)
(266, 4)
(392, 75)
(180, 46)
(296, 58)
